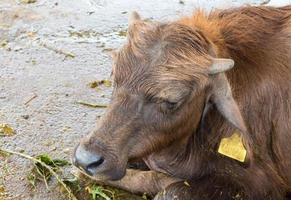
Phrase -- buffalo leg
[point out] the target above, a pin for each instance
(203, 189)
(137, 181)
(179, 190)
(219, 187)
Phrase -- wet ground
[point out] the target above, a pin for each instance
(50, 51)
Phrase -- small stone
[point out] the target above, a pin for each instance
(181, 2)
(25, 116)
(67, 150)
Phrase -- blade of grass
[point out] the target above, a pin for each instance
(91, 105)
(71, 195)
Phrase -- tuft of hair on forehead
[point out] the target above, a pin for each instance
(171, 51)
(144, 36)
(186, 47)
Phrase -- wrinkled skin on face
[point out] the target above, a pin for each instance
(163, 77)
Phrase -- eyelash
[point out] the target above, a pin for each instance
(165, 105)
(170, 105)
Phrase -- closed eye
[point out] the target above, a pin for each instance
(170, 105)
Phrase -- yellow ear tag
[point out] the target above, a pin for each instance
(233, 147)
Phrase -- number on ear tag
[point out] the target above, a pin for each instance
(233, 147)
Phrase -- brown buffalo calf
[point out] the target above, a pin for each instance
(204, 129)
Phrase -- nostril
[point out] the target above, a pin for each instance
(91, 168)
(87, 160)
(96, 164)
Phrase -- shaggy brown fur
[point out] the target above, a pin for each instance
(165, 111)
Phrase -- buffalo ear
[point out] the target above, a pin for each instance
(222, 97)
(221, 94)
(134, 17)
(220, 65)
